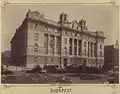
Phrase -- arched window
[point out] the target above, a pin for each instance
(35, 47)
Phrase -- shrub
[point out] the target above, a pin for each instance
(93, 70)
(71, 69)
(89, 77)
(61, 71)
(37, 69)
(6, 72)
(51, 68)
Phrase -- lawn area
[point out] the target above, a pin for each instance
(49, 78)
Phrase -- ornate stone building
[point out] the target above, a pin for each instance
(39, 41)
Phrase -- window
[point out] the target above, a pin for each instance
(85, 52)
(95, 50)
(58, 45)
(65, 32)
(79, 47)
(91, 49)
(88, 49)
(36, 47)
(35, 59)
(52, 59)
(75, 47)
(84, 44)
(45, 28)
(75, 34)
(71, 60)
(51, 41)
(46, 43)
(35, 25)
(72, 26)
(45, 60)
(100, 46)
(100, 54)
(35, 36)
(77, 27)
(45, 40)
(72, 34)
(70, 46)
(65, 40)
(65, 51)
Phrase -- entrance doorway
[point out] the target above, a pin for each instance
(65, 62)
(84, 62)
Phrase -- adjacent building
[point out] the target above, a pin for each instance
(40, 41)
(111, 53)
(6, 57)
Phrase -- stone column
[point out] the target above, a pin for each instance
(72, 46)
(55, 45)
(49, 44)
(82, 47)
(93, 49)
(77, 46)
(89, 49)
(68, 46)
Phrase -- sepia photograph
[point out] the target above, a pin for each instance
(59, 43)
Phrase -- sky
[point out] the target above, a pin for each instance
(98, 17)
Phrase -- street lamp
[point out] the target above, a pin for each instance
(63, 18)
(61, 23)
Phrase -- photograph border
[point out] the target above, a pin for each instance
(114, 87)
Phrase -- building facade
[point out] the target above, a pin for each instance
(39, 41)
(6, 57)
(111, 53)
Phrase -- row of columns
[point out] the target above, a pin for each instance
(91, 47)
(54, 44)
(88, 47)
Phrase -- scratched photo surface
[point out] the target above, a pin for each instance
(47, 44)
